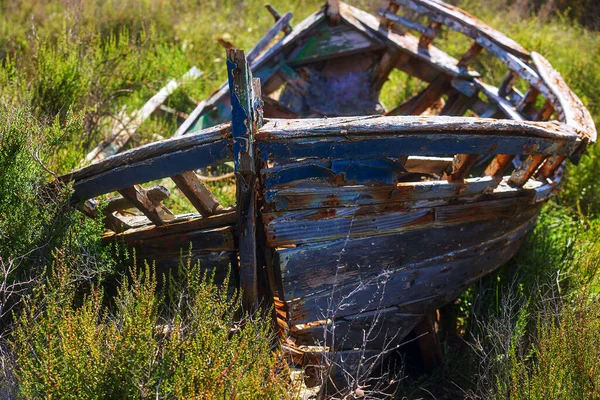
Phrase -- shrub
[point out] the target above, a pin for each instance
(186, 341)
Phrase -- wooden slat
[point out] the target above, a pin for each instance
(155, 211)
(127, 128)
(286, 29)
(197, 193)
(300, 198)
(425, 99)
(407, 43)
(458, 20)
(470, 55)
(550, 166)
(280, 25)
(499, 165)
(118, 203)
(526, 170)
(461, 165)
(246, 120)
(385, 66)
(570, 108)
(407, 23)
(504, 105)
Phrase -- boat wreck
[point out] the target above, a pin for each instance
(353, 220)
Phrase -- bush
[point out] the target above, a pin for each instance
(186, 341)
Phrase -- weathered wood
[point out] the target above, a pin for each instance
(280, 25)
(424, 285)
(570, 108)
(550, 166)
(377, 330)
(197, 193)
(408, 44)
(286, 29)
(329, 42)
(428, 165)
(464, 23)
(461, 165)
(155, 211)
(499, 165)
(422, 101)
(178, 227)
(156, 194)
(426, 40)
(127, 128)
(504, 105)
(246, 120)
(299, 198)
(335, 172)
(385, 66)
(407, 23)
(470, 55)
(333, 11)
(526, 170)
(429, 345)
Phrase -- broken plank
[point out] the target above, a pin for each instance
(155, 211)
(196, 192)
(408, 44)
(407, 23)
(280, 25)
(127, 129)
(526, 170)
(499, 165)
(461, 165)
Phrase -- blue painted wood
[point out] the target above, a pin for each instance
(443, 144)
(163, 166)
(424, 285)
(298, 198)
(315, 267)
(379, 170)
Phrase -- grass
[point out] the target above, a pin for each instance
(527, 332)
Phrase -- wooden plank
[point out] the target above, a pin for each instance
(570, 108)
(246, 120)
(155, 194)
(130, 125)
(124, 175)
(155, 211)
(299, 198)
(526, 170)
(458, 20)
(329, 42)
(550, 166)
(335, 172)
(313, 226)
(378, 330)
(504, 105)
(499, 165)
(470, 55)
(407, 23)
(280, 25)
(461, 165)
(333, 12)
(320, 266)
(407, 43)
(423, 285)
(196, 192)
(177, 227)
(425, 99)
(429, 344)
(384, 68)
(286, 29)
(428, 165)
(376, 125)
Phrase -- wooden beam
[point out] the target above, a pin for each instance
(421, 102)
(470, 55)
(461, 165)
(197, 193)
(155, 211)
(431, 351)
(498, 165)
(246, 120)
(550, 166)
(333, 11)
(263, 43)
(155, 194)
(521, 175)
(286, 29)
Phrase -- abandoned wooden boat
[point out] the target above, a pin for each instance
(355, 221)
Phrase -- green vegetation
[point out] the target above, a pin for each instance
(528, 332)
